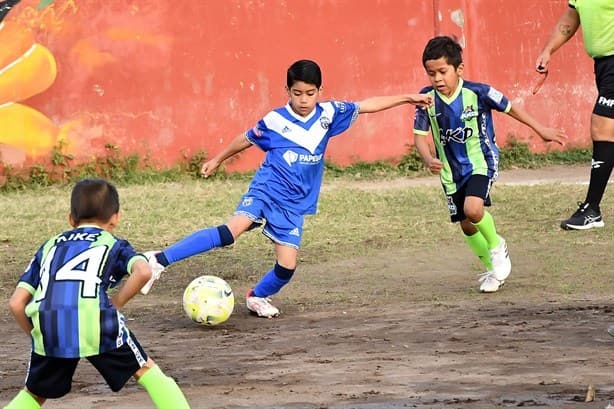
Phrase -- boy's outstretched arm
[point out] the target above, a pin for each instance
(238, 144)
(547, 134)
(140, 274)
(17, 304)
(376, 104)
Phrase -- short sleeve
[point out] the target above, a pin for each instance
(259, 136)
(495, 99)
(345, 114)
(421, 122)
(30, 279)
(125, 256)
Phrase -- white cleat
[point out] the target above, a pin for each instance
(156, 271)
(500, 259)
(489, 282)
(261, 306)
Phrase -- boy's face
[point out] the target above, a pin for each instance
(303, 97)
(443, 76)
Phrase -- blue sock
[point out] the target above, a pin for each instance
(196, 243)
(273, 281)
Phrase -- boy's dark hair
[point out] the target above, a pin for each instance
(443, 46)
(306, 71)
(93, 199)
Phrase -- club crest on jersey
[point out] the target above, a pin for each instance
(468, 113)
(290, 157)
(325, 122)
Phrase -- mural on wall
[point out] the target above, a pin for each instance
(165, 82)
(65, 72)
(27, 68)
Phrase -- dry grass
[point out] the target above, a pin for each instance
(351, 237)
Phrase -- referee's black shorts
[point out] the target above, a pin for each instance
(604, 77)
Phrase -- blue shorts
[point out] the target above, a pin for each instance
(281, 226)
(477, 185)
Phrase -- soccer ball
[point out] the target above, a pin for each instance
(208, 300)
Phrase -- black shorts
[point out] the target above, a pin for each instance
(477, 185)
(604, 77)
(50, 377)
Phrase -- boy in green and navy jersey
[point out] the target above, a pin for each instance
(61, 301)
(467, 156)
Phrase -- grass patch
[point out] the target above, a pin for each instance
(358, 234)
(61, 168)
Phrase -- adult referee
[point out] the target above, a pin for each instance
(597, 20)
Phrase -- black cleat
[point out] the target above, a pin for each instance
(583, 219)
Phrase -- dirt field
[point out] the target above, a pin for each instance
(476, 351)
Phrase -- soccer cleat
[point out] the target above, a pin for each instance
(584, 218)
(156, 271)
(611, 330)
(500, 259)
(489, 282)
(260, 306)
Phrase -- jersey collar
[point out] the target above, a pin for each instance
(298, 117)
(458, 90)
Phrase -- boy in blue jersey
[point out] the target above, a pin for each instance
(286, 187)
(61, 301)
(467, 156)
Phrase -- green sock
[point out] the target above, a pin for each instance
(23, 400)
(486, 226)
(163, 390)
(479, 246)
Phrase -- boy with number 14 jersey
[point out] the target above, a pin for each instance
(61, 301)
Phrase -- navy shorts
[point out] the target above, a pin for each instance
(281, 226)
(604, 77)
(477, 185)
(50, 377)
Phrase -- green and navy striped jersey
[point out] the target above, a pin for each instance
(68, 278)
(597, 20)
(463, 131)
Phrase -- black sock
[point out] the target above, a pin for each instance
(601, 169)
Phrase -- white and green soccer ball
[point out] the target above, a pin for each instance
(208, 300)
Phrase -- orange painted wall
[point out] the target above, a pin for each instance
(171, 78)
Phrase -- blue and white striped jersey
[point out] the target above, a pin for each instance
(291, 174)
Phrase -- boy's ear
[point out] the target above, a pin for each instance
(71, 221)
(460, 68)
(114, 220)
